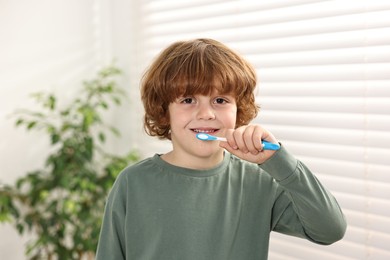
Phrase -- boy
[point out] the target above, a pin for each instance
(210, 200)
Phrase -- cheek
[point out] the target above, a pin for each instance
(234, 115)
(234, 111)
(178, 120)
(231, 117)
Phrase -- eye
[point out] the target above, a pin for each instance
(187, 100)
(220, 100)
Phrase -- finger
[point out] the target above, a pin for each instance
(250, 140)
(230, 139)
(227, 147)
(238, 135)
(234, 151)
(257, 138)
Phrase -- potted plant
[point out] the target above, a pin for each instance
(62, 204)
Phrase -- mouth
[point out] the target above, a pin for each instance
(205, 130)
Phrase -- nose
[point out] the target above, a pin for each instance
(205, 112)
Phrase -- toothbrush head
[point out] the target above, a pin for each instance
(206, 137)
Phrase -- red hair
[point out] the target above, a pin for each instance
(193, 67)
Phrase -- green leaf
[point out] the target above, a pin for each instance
(103, 104)
(38, 96)
(89, 147)
(115, 131)
(88, 117)
(51, 102)
(19, 183)
(102, 137)
(70, 206)
(5, 217)
(20, 228)
(55, 138)
(43, 194)
(65, 126)
(31, 125)
(19, 122)
(51, 129)
(116, 100)
(65, 112)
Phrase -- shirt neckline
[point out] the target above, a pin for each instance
(193, 172)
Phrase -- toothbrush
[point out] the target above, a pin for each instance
(207, 137)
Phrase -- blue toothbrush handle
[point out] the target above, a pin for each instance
(270, 146)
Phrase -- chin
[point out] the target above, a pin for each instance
(207, 152)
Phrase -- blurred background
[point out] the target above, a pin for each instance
(324, 89)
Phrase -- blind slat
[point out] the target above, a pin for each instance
(366, 55)
(337, 72)
(367, 88)
(325, 104)
(378, 142)
(375, 123)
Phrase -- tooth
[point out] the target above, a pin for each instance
(203, 131)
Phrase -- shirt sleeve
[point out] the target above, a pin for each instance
(111, 243)
(303, 207)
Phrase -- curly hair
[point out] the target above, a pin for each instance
(198, 66)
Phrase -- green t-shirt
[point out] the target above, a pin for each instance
(156, 210)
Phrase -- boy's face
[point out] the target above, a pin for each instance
(190, 115)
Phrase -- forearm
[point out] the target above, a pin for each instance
(318, 211)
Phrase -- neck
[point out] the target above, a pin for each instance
(193, 162)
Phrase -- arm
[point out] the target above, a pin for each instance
(304, 208)
(112, 239)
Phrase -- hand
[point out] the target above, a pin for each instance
(245, 143)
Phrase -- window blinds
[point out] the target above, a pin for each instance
(324, 91)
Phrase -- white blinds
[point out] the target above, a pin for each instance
(324, 89)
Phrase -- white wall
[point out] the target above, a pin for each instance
(44, 45)
(129, 48)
